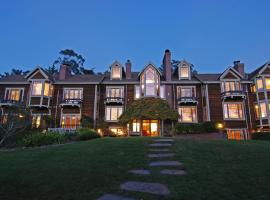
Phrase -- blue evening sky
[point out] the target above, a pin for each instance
(211, 34)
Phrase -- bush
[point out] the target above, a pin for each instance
(87, 122)
(87, 134)
(260, 136)
(206, 127)
(39, 139)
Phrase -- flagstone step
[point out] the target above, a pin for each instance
(160, 144)
(161, 155)
(165, 163)
(173, 172)
(159, 150)
(114, 197)
(145, 187)
(164, 140)
(140, 171)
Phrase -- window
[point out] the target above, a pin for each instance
(263, 109)
(37, 88)
(150, 82)
(116, 73)
(257, 111)
(187, 114)
(253, 89)
(14, 94)
(233, 111)
(230, 86)
(36, 121)
(70, 121)
(73, 93)
(184, 72)
(116, 130)
(267, 83)
(137, 92)
(186, 91)
(136, 126)
(47, 89)
(162, 92)
(236, 134)
(115, 92)
(259, 83)
(113, 113)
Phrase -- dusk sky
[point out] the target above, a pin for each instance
(210, 34)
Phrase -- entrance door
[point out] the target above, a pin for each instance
(150, 128)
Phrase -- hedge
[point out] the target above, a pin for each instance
(260, 136)
(206, 127)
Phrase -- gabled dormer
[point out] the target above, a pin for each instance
(116, 71)
(184, 70)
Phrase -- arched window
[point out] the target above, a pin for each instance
(150, 82)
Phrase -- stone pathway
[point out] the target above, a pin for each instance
(157, 150)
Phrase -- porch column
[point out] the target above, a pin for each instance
(162, 128)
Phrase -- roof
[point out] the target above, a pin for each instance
(87, 78)
(14, 79)
(256, 71)
(208, 77)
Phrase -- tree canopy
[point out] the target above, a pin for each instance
(14, 72)
(149, 108)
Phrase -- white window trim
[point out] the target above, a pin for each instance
(259, 108)
(111, 76)
(116, 87)
(164, 86)
(196, 118)
(186, 87)
(243, 110)
(243, 130)
(15, 88)
(179, 72)
(71, 114)
(140, 93)
(143, 82)
(223, 86)
(70, 88)
(112, 107)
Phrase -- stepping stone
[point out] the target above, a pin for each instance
(160, 155)
(160, 145)
(173, 172)
(163, 140)
(140, 171)
(146, 187)
(159, 150)
(113, 197)
(165, 163)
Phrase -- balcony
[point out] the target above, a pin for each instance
(233, 95)
(71, 102)
(187, 101)
(114, 100)
(5, 102)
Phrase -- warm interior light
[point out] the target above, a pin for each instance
(99, 130)
(219, 125)
(20, 116)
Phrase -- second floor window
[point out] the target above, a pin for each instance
(71, 93)
(113, 113)
(14, 94)
(233, 111)
(116, 73)
(231, 86)
(259, 83)
(137, 92)
(115, 92)
(40, 88)
(150, 82)
(186, 92)
(184, 72)
(267, 83)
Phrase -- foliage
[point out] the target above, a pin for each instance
(206, 127)
(14, 72)
(87, 122)
(52, 70)
(148, 108)
(39, 139)
(260, 136)
(14, 120)
(87, 134)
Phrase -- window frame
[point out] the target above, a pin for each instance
(233, 119)
(70, 115)
(15, 88)
(112, 73)
(135, 91)
(70, 88)
(143, 83)
(110, 120)
(196, 114)
(43, 82)
(192, 88)
(244, 133)
(235, 83)
(122, 93)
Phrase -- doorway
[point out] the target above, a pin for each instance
(150, 128)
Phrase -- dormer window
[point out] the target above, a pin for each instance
(150, 82)
(184, 70)
(116, 71)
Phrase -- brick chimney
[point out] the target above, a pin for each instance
(64, 72)
(128, 69)
(240, 67)
(167, 66)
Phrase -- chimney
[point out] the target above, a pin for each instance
(167, 67)
(64, 72)
(128, 69)
(240, 67)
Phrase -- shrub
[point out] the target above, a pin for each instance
(87, 134)
(86, 122)
(206, 127)
(39, 139)
(209, 127)
(260, 136)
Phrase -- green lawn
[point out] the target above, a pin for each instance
(86, 170)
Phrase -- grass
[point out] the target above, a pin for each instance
(86, 170)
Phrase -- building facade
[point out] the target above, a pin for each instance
(240, 101)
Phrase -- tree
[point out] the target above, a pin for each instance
(74, 60)
(14, 72)
(149, 108)
(52, 70)
(14, 120)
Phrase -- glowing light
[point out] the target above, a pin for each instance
(20, 116)
(219, 125)
(99, 130)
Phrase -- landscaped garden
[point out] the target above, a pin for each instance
(216, 169)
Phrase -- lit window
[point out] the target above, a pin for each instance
(36, 121)
(230, 86)
(162, 92)
(70, 121)
(75, 93)
(14, 94)
(257, 111)
(259, 83)
(115, 92)
(116, 73)
(46, 89)
(267, 83)
(136, 126)
(253, 89)
(236, 134)
(233, 111)
(117, 131)
(137, 92)
(263, 109)
(113, 113)
(37, 88)
(150, 82)
(184, 72)
(187, 114)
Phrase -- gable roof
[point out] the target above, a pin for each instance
(259, 70)
(146, 66)
(41, 70)
(233, 71)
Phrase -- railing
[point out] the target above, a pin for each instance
(8, 102)
(71, 102)
(62, 130)
(114, 100)
(233, 93)
(193, 100)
